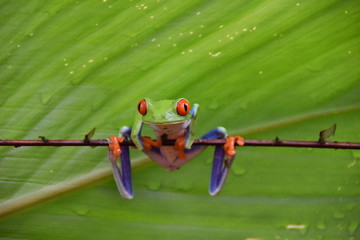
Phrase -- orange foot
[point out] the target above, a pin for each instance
(148, 142)
(180, 146)
(229, 146)
(114, 145)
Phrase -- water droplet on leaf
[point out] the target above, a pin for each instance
(353, 226)
(356, 154)
(214, 104)
(350, 206)
(153, 185)
(321, 225)
(184, 186)
(45, 97)
(338, 214)
(81, 210)
(238, 169)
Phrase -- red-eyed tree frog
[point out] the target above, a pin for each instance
(170, 119)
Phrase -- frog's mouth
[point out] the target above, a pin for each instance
(169, 128)
(165, 123)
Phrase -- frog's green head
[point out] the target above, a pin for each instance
(164, 111)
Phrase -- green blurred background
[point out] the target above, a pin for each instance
(259, 68)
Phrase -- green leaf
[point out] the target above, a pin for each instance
(259, 68)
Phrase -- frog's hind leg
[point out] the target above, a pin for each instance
(220, 170)
(122, 177)
(217, 133)
(221, 162)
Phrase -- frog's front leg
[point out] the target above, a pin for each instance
(122, 177)
(223, 158)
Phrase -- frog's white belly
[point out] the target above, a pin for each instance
(168, 157)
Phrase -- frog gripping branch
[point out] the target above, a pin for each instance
(174, 124)
(170, 119)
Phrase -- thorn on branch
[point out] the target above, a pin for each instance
(170, 142)
(89, 135)
(44, 139)
(326, 134)
(277, 140)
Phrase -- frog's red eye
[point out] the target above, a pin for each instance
(183, 107)
(142, 107)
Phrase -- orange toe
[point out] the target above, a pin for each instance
(114, 144)
(229, 146)
(180, 146)
(240, 141)
(148, 142)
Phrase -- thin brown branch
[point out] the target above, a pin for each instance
(248, 142)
